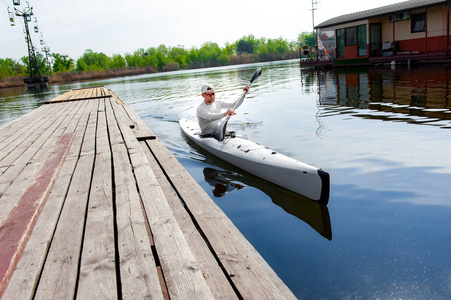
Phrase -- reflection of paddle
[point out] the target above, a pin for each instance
(219, 130)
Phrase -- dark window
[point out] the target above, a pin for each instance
(340, 43)
(351, 36)
(418, 22)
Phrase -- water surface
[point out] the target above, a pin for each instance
(383, 135)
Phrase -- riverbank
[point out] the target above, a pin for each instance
(69, 77)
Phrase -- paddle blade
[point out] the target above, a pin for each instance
(220, 129)
(256, 75)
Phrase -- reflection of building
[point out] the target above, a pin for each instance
(410, 31)
(418, 95)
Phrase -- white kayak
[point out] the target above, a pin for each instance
(263, 162)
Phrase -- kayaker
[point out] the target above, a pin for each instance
(210, 111)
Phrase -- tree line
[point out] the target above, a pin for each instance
(248, 49)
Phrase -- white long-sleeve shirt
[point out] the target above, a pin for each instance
(209, 115)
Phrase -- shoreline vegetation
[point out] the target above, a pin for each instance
(94, 65)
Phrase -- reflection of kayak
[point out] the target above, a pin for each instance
(311, 212)
(263, 162)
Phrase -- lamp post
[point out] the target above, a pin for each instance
(35, 79)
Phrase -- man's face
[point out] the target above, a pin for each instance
(209, 97)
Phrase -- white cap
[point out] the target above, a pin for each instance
(207, 88)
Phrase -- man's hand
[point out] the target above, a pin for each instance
(230, 112)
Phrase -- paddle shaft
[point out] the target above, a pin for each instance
(219, 130)
(243, 95)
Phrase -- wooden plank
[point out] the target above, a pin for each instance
(115, 97)
(25, 121)
(15, 180)
(215, 277)
(68, 95)
(138, 270)
(60, 273)
(15, 135)
(8, 155)
(104, 92)
(182, 274)
(250, 273)
(26, 276)
(16, 228)
(85, 94)
(97, 266)
(81, 94)
(29, 116)
(140, 129)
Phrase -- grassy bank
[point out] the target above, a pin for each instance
(68, 77)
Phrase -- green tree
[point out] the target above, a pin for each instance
(307, 39)
(62, 63)
(211, 55)
(117, 62)
(135, 59)
(179, 55)
(93, 61)
(230, 49)
(246, 47)
(10, 67)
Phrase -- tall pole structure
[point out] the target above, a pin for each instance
(314, 7)
(35, 79)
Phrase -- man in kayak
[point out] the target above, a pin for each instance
(210, 111)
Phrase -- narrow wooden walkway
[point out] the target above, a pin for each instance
(93, 206)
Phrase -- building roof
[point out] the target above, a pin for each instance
(384, 10)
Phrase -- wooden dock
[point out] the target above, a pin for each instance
(94, 206)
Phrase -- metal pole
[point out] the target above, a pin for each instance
(313, 16)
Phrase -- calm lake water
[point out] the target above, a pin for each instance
(384, 137)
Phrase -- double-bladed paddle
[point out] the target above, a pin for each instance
(220, 128)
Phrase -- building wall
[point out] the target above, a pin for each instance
(433, 39)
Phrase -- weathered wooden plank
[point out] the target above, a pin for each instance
(60, 273)
(97, 266)
(71, 94)
(138, 270)
(105, 92)
(85, 93)
(250, 273)
(16, 227)
(182, 274)
(215, 277)
(27, 273)
(17, 178)
(20, 133)
(115, 97)
(8, 156)
(141, 130)
(19, 120)
(82, 94)
(23, 124)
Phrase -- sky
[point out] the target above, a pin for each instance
(70, 27)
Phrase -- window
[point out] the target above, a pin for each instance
(418, 22)
(340, 43)
(361, 37)
(351, 36)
